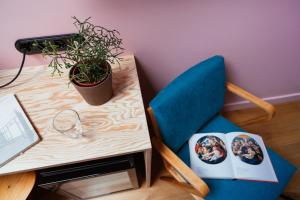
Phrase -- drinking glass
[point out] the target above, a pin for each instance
(68, 123)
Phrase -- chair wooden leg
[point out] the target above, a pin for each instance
(173, 172)
(179, 181)
(197, 197)
(183, 186)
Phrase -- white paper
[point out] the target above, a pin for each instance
(251, 168)
(212, 161)
(16, 131)
(246, 157)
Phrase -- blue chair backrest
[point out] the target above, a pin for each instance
(189, 101)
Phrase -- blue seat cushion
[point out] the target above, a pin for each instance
(240, 189)
(190, 96)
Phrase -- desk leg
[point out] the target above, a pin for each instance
(147, 158)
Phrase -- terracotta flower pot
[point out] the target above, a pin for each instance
(94, 93)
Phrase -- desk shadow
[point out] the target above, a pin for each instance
(147, 89)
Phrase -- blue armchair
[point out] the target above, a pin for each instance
(191, 103)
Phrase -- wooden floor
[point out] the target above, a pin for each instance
(282, 134)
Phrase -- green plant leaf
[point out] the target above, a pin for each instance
(89, 52)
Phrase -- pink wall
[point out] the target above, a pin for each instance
(260, 39)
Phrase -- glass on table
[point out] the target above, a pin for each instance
(68, 123)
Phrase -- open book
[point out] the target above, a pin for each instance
(16, 132)
(235, 155)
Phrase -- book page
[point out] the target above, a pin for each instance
(250, 159)
(209, 156)
(16, 131)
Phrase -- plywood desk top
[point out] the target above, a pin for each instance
(115, 128)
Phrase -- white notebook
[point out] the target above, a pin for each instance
(16, 132)
(235, 155)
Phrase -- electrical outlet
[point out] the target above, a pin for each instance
(26, 45)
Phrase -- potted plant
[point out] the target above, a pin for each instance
(88, 55)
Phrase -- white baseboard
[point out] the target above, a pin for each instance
(274, 100)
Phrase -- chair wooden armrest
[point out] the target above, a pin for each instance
(267, 107)
(201, 188)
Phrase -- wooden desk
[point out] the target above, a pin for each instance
(116, 128)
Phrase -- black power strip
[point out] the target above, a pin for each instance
(26, 45)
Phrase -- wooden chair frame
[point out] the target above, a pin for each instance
(183, 176)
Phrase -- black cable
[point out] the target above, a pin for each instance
(19, 72)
